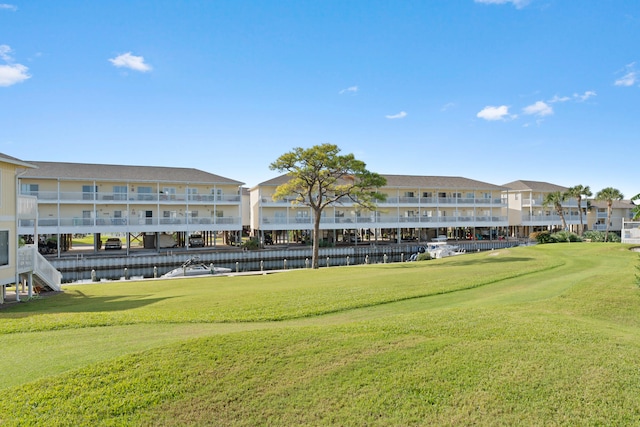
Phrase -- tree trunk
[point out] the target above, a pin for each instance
(581, 222)
(606, 234)
(316, 239)
(561, 213)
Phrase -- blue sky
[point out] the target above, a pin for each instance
(493, 90)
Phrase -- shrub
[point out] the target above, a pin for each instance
(541, 236)
(423, 256)
(564, 236)
(598, 236)
(251, 244)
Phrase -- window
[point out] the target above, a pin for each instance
(169, 193)
(88, 192)
(145, 193)
(29, 189)
(442, 195)
(87, 217)
(4, 247)
(119, 192)
(408, 194)
(428, 194)
(471, 196)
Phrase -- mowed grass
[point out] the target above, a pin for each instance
(544, 335)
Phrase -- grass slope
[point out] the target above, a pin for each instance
(540, 335)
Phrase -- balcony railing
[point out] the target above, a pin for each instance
(124, 198)
(414, 201)
(569, 203)
(127, 222)
(370, 221)
(550, 219)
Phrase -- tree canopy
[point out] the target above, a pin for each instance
(320, 176)
(636, 210)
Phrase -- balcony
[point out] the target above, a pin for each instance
(443, 201)
(132, 198)
(549, 219)
(274, 222)
(91, 225)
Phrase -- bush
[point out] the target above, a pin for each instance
(423, 256)
(598, 236)
(251, 244)
(564, 236)
(541, 236)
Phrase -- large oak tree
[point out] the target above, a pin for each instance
(320, 176)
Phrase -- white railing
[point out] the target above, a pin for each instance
(548, 219)
(129, 198)
(387, 219)
(132, 222)
(631, 232)
(27, 207)
(30, 261)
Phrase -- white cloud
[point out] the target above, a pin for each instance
(11, 73)
(10, 7)
(630, 78)
(352, 89)
(588, 94)
(519, 4)
(495, 113)
(539, 109)
(448, 106)
(400, 115)
(5, 50)
(127, 60)
(557, 98)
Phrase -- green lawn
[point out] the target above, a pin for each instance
(543, 335)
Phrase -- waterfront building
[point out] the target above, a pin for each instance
(158, 206)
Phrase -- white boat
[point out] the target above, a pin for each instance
(192, 267)
(443, 249)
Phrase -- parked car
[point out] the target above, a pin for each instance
(113, 243)
(196, 240)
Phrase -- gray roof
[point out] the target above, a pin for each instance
(443, 182)
(15, 161)
(88, 171)
(416, 181)
(617, 204)
(544, 187)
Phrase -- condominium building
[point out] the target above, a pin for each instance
(141, 202)
(416, 208)
(19, 260)
(528, 212)
(597, 214)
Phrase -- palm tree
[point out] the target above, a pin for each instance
(608, 195)
(636, 210)
(556, 198)
(577, 192)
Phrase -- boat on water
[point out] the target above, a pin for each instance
(193, 267)
(443, 249)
